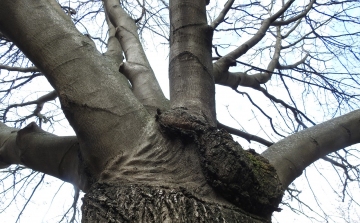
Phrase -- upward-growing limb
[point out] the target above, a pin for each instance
(137, 67)
(190, 68)
(94, 96)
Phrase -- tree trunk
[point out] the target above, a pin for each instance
(138, 166)
(184, 171)
(118, 202)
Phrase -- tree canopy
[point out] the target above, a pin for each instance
(286, 77)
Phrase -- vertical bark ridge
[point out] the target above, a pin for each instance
(190, 69)
(146, 204)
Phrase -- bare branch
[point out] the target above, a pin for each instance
(298, 41)
(143, 11)
(42, 151)
(292, 29)
(293, 154)
(39, 105)
(31, 195)
(136, 68)
(294, 110)
(20, 69)
(293, 19)
(164, 3)
(222, 14)
(286, 67)
(266, 76)
(262, 111)
(245, 135)
(12, 81)
(242, 79)
(114, 49)
(333, 162)
(224, 63)
(73, 206)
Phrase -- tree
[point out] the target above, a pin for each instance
(140, 157)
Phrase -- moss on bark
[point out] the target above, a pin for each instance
(243, 177)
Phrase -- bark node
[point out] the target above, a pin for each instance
(243, 177)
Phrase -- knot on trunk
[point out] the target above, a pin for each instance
(243, 177)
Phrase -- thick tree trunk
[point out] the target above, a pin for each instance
(134, 167)
(143, 203)
(184, 171)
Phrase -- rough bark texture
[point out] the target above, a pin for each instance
(184, 171)
(143, 203)
(134, 167)
(243, 177)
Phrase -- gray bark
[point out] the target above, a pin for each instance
(190, 69)
(73, 66)
(293, 154)
(135, 166)
(140, 203)
(44, 152)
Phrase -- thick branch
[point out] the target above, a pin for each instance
(242, 79)
(190, 69)
(136, 68)
(114, 50)
(44, 152)
(94, 97)
(266, 76)
(293, 154)
(235, 79)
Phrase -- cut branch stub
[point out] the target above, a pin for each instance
(243, 177)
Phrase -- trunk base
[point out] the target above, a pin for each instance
(114, 202)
